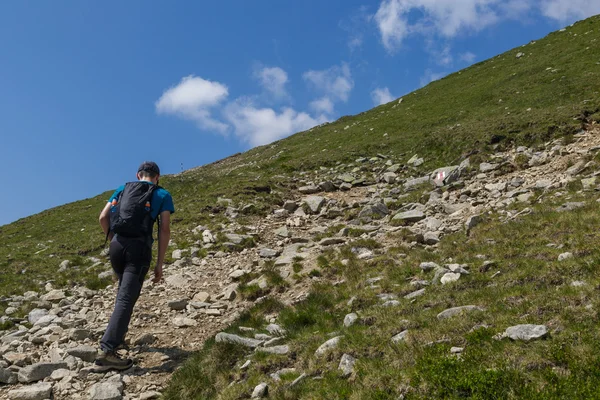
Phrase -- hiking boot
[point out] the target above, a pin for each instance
(107, 360)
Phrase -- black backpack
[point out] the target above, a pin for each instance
(130, 211)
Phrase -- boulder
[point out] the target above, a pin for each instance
(526, 332)
(314, 204)
(39, 391)
(409, 216)
(39, 371)
(231, 338)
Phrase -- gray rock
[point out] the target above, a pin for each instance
(416, 182)
(415, 294)
(54, 296)
(178, 304)
(347, 178)
(350, 319)
(184, 322)
(86, 353)
(7, 376)
(260, 391)
(526, 332)
(290, 206)
(454, 311)
(39, 391)
(327, 186)
(268, 253)
(237, 274)
(275, 329)
(389, 177)
(284, 349)
(375, 211)
(473, 221)
(106, 391)
(145, 339)
(409, 216)
(444, 176)
(345, 186)
(39, 371)
(450, 277)
(310, 189)
(565, 256)
(314, 204)
(570, 206)
(487, 167)
(282, 232)
(231, 338)
(328, 345)
(331, 241)
(428, 266)
(431, 238)
(347, 365)
(589, 183)
(202, 297)
(35, 314)
(401, 337)
(177, 254)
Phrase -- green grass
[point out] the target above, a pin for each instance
(533, 287)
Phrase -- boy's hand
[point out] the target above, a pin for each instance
(158, 273)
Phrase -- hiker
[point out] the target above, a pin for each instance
(127, 220)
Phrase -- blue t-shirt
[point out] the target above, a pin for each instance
(161, 200)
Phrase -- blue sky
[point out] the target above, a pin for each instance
(88, 89)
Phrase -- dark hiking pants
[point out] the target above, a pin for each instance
(130, 259)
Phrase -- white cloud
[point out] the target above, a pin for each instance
(323, 105)
(431, 76)
(468, 57)
(193, 99)
(335, 82)
(273, 80)
(258, 126)
(398, 19)
(567, 10)
(381, 96)
(441, 17)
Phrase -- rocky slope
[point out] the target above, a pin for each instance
(213, 280)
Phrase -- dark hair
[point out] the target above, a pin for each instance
(149, 169)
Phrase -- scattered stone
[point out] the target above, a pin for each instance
(7, 376)
(409, 216)
(106, 391)
(328, 345)
(184, 322)
(526, 332)
(178, 304)
(415, 294)
(454, 311)
(401, 337)
(86, 353)
(39, 391)
(314, 203)
(260, 391)
(269, 253)
(347, 365)
(450, 277)
(310, 189)
(39, 371)
(331, 241)
(202, 297)
(565, 256)
(284, 349)
(35, 315)
(231, 338)
(350, 319)
(428, 266)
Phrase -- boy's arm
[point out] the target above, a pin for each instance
(104, 219)
(163, 242)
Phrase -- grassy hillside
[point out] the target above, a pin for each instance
(551, 90)
(525, 284)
